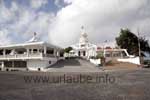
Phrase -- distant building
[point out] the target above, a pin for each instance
(83, 48)
(32, 55)
(113, 52)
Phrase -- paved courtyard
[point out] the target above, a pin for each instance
(128, 85)
(73, 65)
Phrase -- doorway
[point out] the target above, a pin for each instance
(84, 53)
(79, 53)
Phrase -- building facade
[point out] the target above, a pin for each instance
(83, 48)
(31, 55)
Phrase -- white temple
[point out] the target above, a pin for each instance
(31, 55)
(84, 48)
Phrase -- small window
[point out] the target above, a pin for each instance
(39, 69)
(30, 50)
(1, 52)
(50, 51)
(8, 52)
(50, 62)
(82, 45)
(34, 50)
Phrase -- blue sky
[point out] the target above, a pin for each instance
(59, 21)
(49, 6)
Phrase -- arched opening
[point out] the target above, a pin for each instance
(39, 69)
(79, 53)
(84, 53)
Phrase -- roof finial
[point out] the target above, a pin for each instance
(82, 28)
(34, 38)
(35, 34)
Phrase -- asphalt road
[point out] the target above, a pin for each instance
(121, 85)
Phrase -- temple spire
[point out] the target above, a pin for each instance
(84, 37)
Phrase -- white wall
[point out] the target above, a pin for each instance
(95, 61)
(35, 64)
(92, 52)
(135, 60)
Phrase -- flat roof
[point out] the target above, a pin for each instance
(111, 49)
(29, 44)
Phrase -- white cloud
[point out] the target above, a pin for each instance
(4, 39)
(40, 24)
(58, 3)
(5, 13)
(38, 3)
(21, 21)
(68, 1)
(101, 18)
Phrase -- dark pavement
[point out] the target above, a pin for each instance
(73, 65)
(128, 85)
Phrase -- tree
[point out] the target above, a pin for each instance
(128, 40)
(68, 49)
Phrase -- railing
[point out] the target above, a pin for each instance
(21, 56)
(48, 55)
(35, 55)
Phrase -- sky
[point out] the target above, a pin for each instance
(59, 21)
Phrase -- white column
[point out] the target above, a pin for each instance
(54, 52)
(2, 65)
(45, 49)
(32, 51)
(27, 52)
(38, 51)
(4, 52)
(58, 53)
(104, 53)
(13, 51)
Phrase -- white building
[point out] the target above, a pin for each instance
(32, 55)
(113, 52)
(84, 48)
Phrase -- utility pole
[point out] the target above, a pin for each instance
(139, 45)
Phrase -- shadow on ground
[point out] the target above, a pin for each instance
(67, 62)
